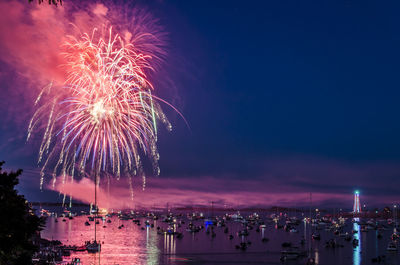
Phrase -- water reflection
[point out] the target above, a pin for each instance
(316, 255)
(127, 245)
(140, 245)
(153, 252)
(376, 244)
(357, 249)
(169, 244)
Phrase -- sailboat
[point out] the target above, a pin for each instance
(392, 247)
(310, 260)
(94, 246)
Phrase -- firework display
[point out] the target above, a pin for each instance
(105, 115)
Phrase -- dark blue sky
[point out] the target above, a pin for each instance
(277, 80)
(286, 77)
(281, 91)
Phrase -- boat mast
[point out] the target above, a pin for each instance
(395, 218)
(95, 206)
(310, 226)
(212, 210)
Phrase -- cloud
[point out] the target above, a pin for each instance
(32, 40)
(100, 10)
(293, 190)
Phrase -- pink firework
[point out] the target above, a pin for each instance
(105, 114)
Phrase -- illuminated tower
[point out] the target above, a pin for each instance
(356, 205)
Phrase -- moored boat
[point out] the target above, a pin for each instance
(93, 247)
(392, 247)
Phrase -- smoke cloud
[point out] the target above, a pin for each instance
(32, 39)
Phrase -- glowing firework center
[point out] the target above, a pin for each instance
(100, 111)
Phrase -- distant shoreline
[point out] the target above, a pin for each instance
(193, 208)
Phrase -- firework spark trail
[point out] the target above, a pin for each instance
(105, 113)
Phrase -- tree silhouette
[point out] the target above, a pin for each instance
(18, 223)
(54, 2)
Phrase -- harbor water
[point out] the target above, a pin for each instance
(127, 242)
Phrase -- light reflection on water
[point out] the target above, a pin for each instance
(129, 245)
(357, 249)
(153, 253)
(134, 245)
(316, 256)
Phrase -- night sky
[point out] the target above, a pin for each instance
(290, 97)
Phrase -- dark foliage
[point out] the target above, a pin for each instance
(51, 2)
(18, 224)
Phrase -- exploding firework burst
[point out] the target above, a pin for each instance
(104, 116)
